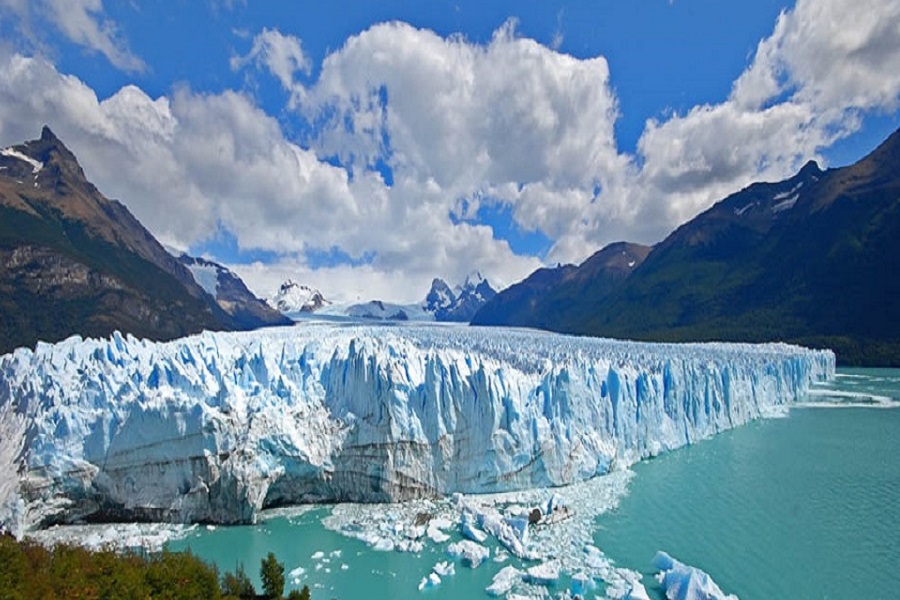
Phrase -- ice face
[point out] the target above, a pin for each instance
(216, 426)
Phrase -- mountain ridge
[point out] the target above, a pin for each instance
(811, 259)
(75, 262)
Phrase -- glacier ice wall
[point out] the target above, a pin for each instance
(216, 426)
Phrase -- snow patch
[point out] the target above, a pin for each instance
(36, 165)
(206, 276)
(786, 204)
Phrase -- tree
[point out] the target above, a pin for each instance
(238, 585)
(272, 574)
(300, 594)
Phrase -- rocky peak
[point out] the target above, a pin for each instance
(440, 296)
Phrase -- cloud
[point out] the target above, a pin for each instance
(82, 22)
(189, 163)
(281, 55)
(458, 125)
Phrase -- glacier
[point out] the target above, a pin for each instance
(217, 426)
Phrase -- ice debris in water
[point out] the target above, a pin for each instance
(504, 581)
(432, 580)
(546, 573)
(120, 536)
(471, 553)
(683, 582)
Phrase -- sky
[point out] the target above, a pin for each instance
(365, 148)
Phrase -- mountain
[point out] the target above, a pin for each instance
(461, 304)
(75, 262)
(293, 297)
(549, 295)
(813, 260)
(231, 294)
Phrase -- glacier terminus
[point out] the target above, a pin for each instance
(217, 426)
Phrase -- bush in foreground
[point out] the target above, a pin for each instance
(28, 570)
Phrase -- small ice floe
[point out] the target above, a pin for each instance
(471, 553)
(344, 566)
(637, 591)
(383, 545)
(210, 527)
(544, 574)
(444, 568)
(318, 555)
(296, 573)
(581, 584)
(432, 580)
(504, 581)
(469, 528)
(684, 582)
(501, 556)
(435, 530)
(413, 546)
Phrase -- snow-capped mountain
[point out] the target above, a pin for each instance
(216, 426)
(293, 297)
(231, 294)
(461, 303)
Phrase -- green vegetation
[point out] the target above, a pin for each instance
(271, 572)
(28, 570)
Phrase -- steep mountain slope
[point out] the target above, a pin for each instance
(74, 262)
(813, 259)
(548, 297)
(231, 294)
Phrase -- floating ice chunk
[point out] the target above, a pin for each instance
(344, 566)
(335, 554)
(581, 584)
(296, 573)
(319, 555)
(432, 580)
(501, 556)
(637, 592)
(413, 546)
(437, 536)
(445, 568)
(383, 545)
(544, 574)
(504, 581)
(683, 582)
(471, 553)
(470, 530)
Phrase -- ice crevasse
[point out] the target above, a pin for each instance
(217, 426)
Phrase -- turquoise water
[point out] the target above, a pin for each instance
(807, 506)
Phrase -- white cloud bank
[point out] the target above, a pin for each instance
(82, 22)
(510, 122)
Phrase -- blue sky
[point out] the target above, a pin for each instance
(367, 147)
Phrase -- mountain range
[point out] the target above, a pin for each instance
(813, 259)
(74, 262)
(442, 303)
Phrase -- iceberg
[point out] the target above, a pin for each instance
(504, 581)
(546, 573)
(471, 553)
(683, 582)
(218, 426)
